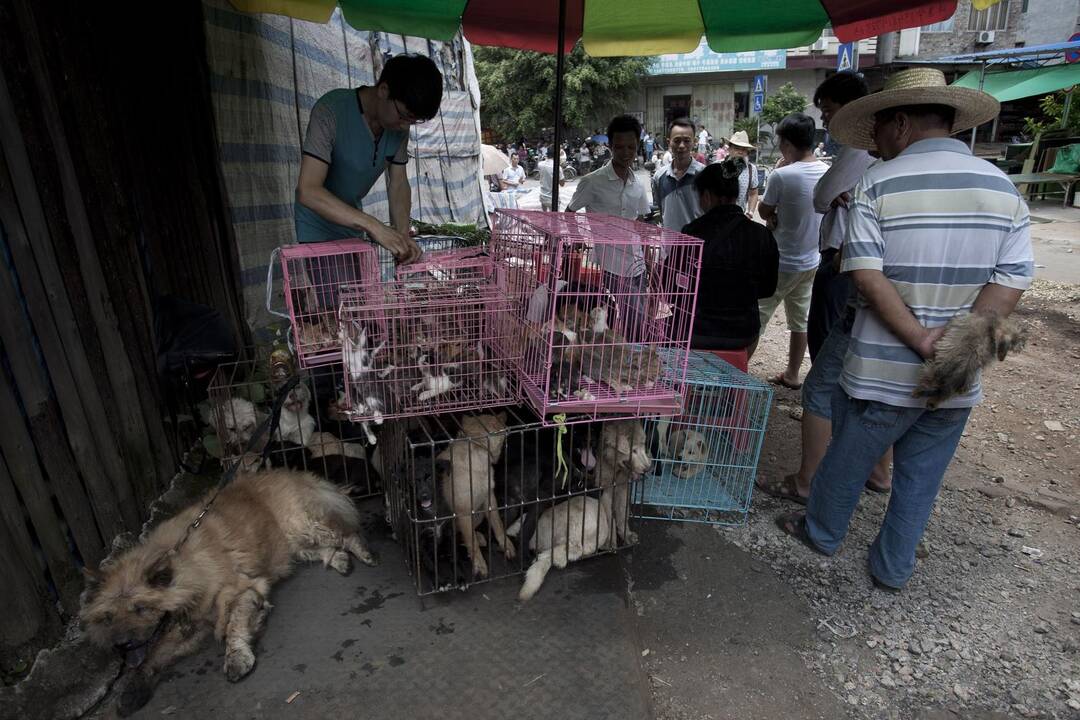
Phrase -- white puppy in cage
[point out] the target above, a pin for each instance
(360, 364)
(582, 526)
(296, 425)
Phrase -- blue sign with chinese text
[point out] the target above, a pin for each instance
(704, 60)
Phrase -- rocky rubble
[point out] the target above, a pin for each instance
(984, 624)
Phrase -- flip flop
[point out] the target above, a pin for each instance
(783, 489)
(778, 379)
(794, 524)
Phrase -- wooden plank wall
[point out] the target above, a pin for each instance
(110, 197)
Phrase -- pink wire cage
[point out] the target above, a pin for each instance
(315, 276)
(600, 312)
(428, 341)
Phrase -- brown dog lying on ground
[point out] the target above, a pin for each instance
(468, 486)
(970, 343)
(159, 602)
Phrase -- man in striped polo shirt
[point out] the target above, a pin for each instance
(933, 233)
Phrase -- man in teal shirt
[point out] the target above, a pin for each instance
(353, 136)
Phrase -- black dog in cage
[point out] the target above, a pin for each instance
(531, 473)
(443, 561)
(357, 474)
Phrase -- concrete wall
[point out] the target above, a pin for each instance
(713, 96)
(961, 40)
(1049, 21)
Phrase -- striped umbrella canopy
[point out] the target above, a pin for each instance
(622, 27)
(625, 27)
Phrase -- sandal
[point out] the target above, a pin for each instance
(783, 489)
(794, 524)
(779, 379)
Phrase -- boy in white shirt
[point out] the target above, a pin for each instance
(788, 207)
(512, 177)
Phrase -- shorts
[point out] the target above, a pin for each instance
(822, 381)
(794, 289)
(827, 302)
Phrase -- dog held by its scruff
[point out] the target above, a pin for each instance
(158, 602)
(971, 343)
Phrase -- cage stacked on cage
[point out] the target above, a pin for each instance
(314, 276)
(483, 496)
(429, 244)
(426, 342)
(707, 456)
(312, 432)
(600, 314)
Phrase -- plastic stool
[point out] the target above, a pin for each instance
(737, 358)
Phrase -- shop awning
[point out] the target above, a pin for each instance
(1016, 84)
(625, 27)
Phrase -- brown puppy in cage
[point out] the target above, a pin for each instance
(159, 600)
(469, 487)
(624, 457)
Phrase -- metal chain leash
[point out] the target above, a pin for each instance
(229, 474)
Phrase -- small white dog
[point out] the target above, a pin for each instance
(296, 425)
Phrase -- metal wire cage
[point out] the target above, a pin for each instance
(428, 341)
(427, 243)
(600, 312)
(456, 484)
(314, 277)
(312, 433)
(707, 457)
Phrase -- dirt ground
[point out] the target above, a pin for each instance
(991, 620)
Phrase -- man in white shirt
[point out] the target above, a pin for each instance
(613, 189)
(546, 168)
(788, 206)
(512, 177)
(703, 140)
(829, 302)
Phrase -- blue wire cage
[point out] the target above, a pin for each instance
(706, 458)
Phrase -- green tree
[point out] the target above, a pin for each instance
(1052, 107)
(748, 125)
(517, 89)
(785, 101)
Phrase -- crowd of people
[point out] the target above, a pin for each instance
(871, 256)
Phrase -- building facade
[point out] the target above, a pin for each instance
(713, 89)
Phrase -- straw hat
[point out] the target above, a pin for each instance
(741, 139)
(853, 124)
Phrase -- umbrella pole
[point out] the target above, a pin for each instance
(558, 107)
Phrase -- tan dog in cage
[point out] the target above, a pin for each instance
(160, 600)
(469, 488)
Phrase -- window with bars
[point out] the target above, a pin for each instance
(992, 18)
(939, 27)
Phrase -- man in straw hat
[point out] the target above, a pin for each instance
(933, 232)
(739, 145)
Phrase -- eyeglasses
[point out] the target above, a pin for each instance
(407, 116)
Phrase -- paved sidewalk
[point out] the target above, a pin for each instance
(705, 631)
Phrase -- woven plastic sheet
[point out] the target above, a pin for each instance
(266, 73)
